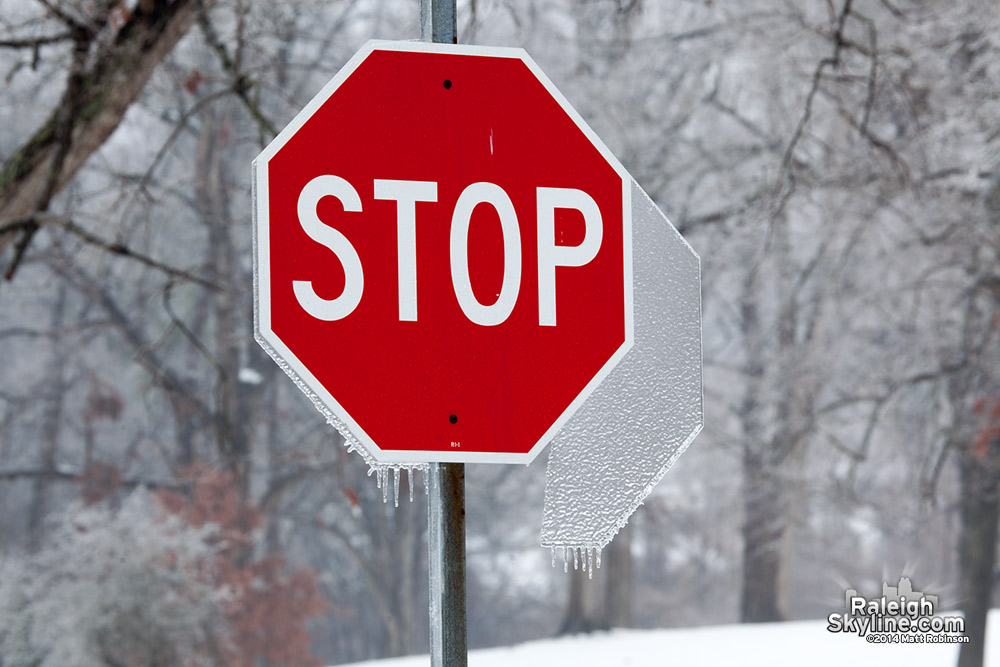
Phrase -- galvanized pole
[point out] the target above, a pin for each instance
(446, 564)
(437, 21)
(446, 483)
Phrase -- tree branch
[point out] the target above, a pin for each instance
(71, 21)
(37, 220)
(34, 42)
(67, 476)
(145, 354)
(241, 84)
(110, 83)
(831, 61)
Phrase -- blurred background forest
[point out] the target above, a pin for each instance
(169, 497)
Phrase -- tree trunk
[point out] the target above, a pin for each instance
(212, 187)
(763, 530)
(763, 507)
(51, 427)
(583, 606)
(980, 515)
(408, 522)
(619, 587)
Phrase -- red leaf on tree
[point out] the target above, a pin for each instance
(193, 80)
(986, 444)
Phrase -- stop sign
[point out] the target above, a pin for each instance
(443, 253)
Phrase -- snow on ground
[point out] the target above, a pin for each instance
(792, 644)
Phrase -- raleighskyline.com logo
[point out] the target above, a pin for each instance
(900, 616)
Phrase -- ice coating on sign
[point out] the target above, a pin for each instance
(381, 470)
(608, 457)
(588, 557)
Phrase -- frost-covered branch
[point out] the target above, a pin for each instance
(241, 84)
(34, 43)
(77, 476)
(115, 248)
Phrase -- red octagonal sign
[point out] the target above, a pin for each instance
(443, 253)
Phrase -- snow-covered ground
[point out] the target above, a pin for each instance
(791, 644)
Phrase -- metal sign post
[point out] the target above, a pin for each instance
(446, 486)
(437, 21)
(446, 564)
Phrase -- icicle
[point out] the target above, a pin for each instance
(384, 474)
(553, 556)
(576, 558)
(409, 481)
(565, 560)
(395, 486)
(590, 565)
(598, 557)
